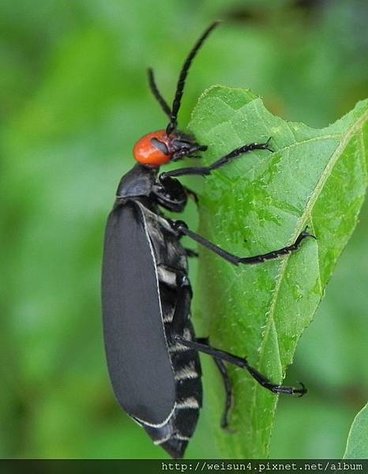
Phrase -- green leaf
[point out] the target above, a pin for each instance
(357, 443)
(259, 203)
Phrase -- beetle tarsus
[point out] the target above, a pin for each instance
(277, 253)
(282, 389)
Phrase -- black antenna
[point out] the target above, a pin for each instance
(154, 89)
(182, 77)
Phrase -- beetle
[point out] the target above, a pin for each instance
(151, 348)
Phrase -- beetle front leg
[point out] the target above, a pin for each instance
(225, 160)
(182, 228)
(244, 364)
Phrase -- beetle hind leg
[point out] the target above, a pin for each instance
(228, 392)
(227, 386)
(244, 364)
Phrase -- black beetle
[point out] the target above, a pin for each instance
(151, 348)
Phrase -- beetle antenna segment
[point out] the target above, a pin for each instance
(157, 94)
(182, 77)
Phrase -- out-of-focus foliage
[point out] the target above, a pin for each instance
(73, 99)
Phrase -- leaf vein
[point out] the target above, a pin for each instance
(283, 265)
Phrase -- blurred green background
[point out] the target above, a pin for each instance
(73, 100)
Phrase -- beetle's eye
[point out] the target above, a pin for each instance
(160, 146)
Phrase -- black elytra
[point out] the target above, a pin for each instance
(151, 348)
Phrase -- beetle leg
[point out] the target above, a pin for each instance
(181, 312)
(244, 364)
(182, 305)
(193, 195)
(181, 227)
(172, 277)
(206, 170)
(191, 253)
(227, 385)
(172, 195)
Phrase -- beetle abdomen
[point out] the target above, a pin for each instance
(176, 433)
(175, 300)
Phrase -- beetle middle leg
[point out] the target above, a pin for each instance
(244, 364)
(192, 194)
(182, 228)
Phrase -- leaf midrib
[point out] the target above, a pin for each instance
(308, 210)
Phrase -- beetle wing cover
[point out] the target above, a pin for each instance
(137, 354)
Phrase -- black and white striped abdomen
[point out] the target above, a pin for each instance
(175, 434)
(175, 297)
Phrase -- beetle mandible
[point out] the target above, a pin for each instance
(152, 351)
